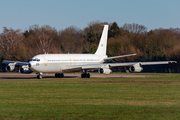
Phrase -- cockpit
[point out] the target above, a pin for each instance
(34, 59)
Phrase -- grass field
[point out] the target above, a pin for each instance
(156, 97)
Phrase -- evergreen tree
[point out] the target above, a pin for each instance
(114, 30)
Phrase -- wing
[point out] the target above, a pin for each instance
(141, 63)
(109, 58)
(71, 68)
(15, 62)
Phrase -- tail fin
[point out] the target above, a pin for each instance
(101, 50)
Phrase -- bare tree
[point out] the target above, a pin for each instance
(43, 40)
(9, 41)
(135, 28)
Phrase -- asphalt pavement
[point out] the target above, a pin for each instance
(66, 75)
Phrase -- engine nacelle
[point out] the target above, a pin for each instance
(104, 71)
(25, 70)
(136, 68)
(11, 68)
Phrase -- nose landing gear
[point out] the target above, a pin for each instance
(39, 76)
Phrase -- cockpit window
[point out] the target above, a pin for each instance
(35, 59)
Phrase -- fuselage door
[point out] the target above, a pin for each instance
(45, 60)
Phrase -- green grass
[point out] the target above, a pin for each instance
(156, 97)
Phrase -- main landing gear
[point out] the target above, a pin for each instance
(59, 75)
(85, 75)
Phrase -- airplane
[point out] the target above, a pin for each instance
(64, 63)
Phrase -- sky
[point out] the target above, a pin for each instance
(61, 14)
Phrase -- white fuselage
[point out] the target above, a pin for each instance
(55, 63)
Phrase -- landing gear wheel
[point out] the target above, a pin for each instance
(55, 75)
(88, 75)
(82, 75)
(59, 75)
(62, 75)
(39, 76)
(85, 75)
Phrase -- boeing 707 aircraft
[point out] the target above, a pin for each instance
(63, 63)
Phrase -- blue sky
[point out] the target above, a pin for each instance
(21, 14)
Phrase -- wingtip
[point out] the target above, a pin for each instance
(171, 62)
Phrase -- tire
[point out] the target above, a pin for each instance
(88, 75)
(56, 75)
(62, 75)
(39, 76)
(83, 75)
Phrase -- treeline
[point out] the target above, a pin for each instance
(154, 45)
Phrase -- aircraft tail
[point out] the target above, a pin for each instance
(101, 50)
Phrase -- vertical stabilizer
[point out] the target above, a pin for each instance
(101, 50)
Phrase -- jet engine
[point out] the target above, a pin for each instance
(25, 70)
(104, 71)
(136, 68)
(11, 67)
